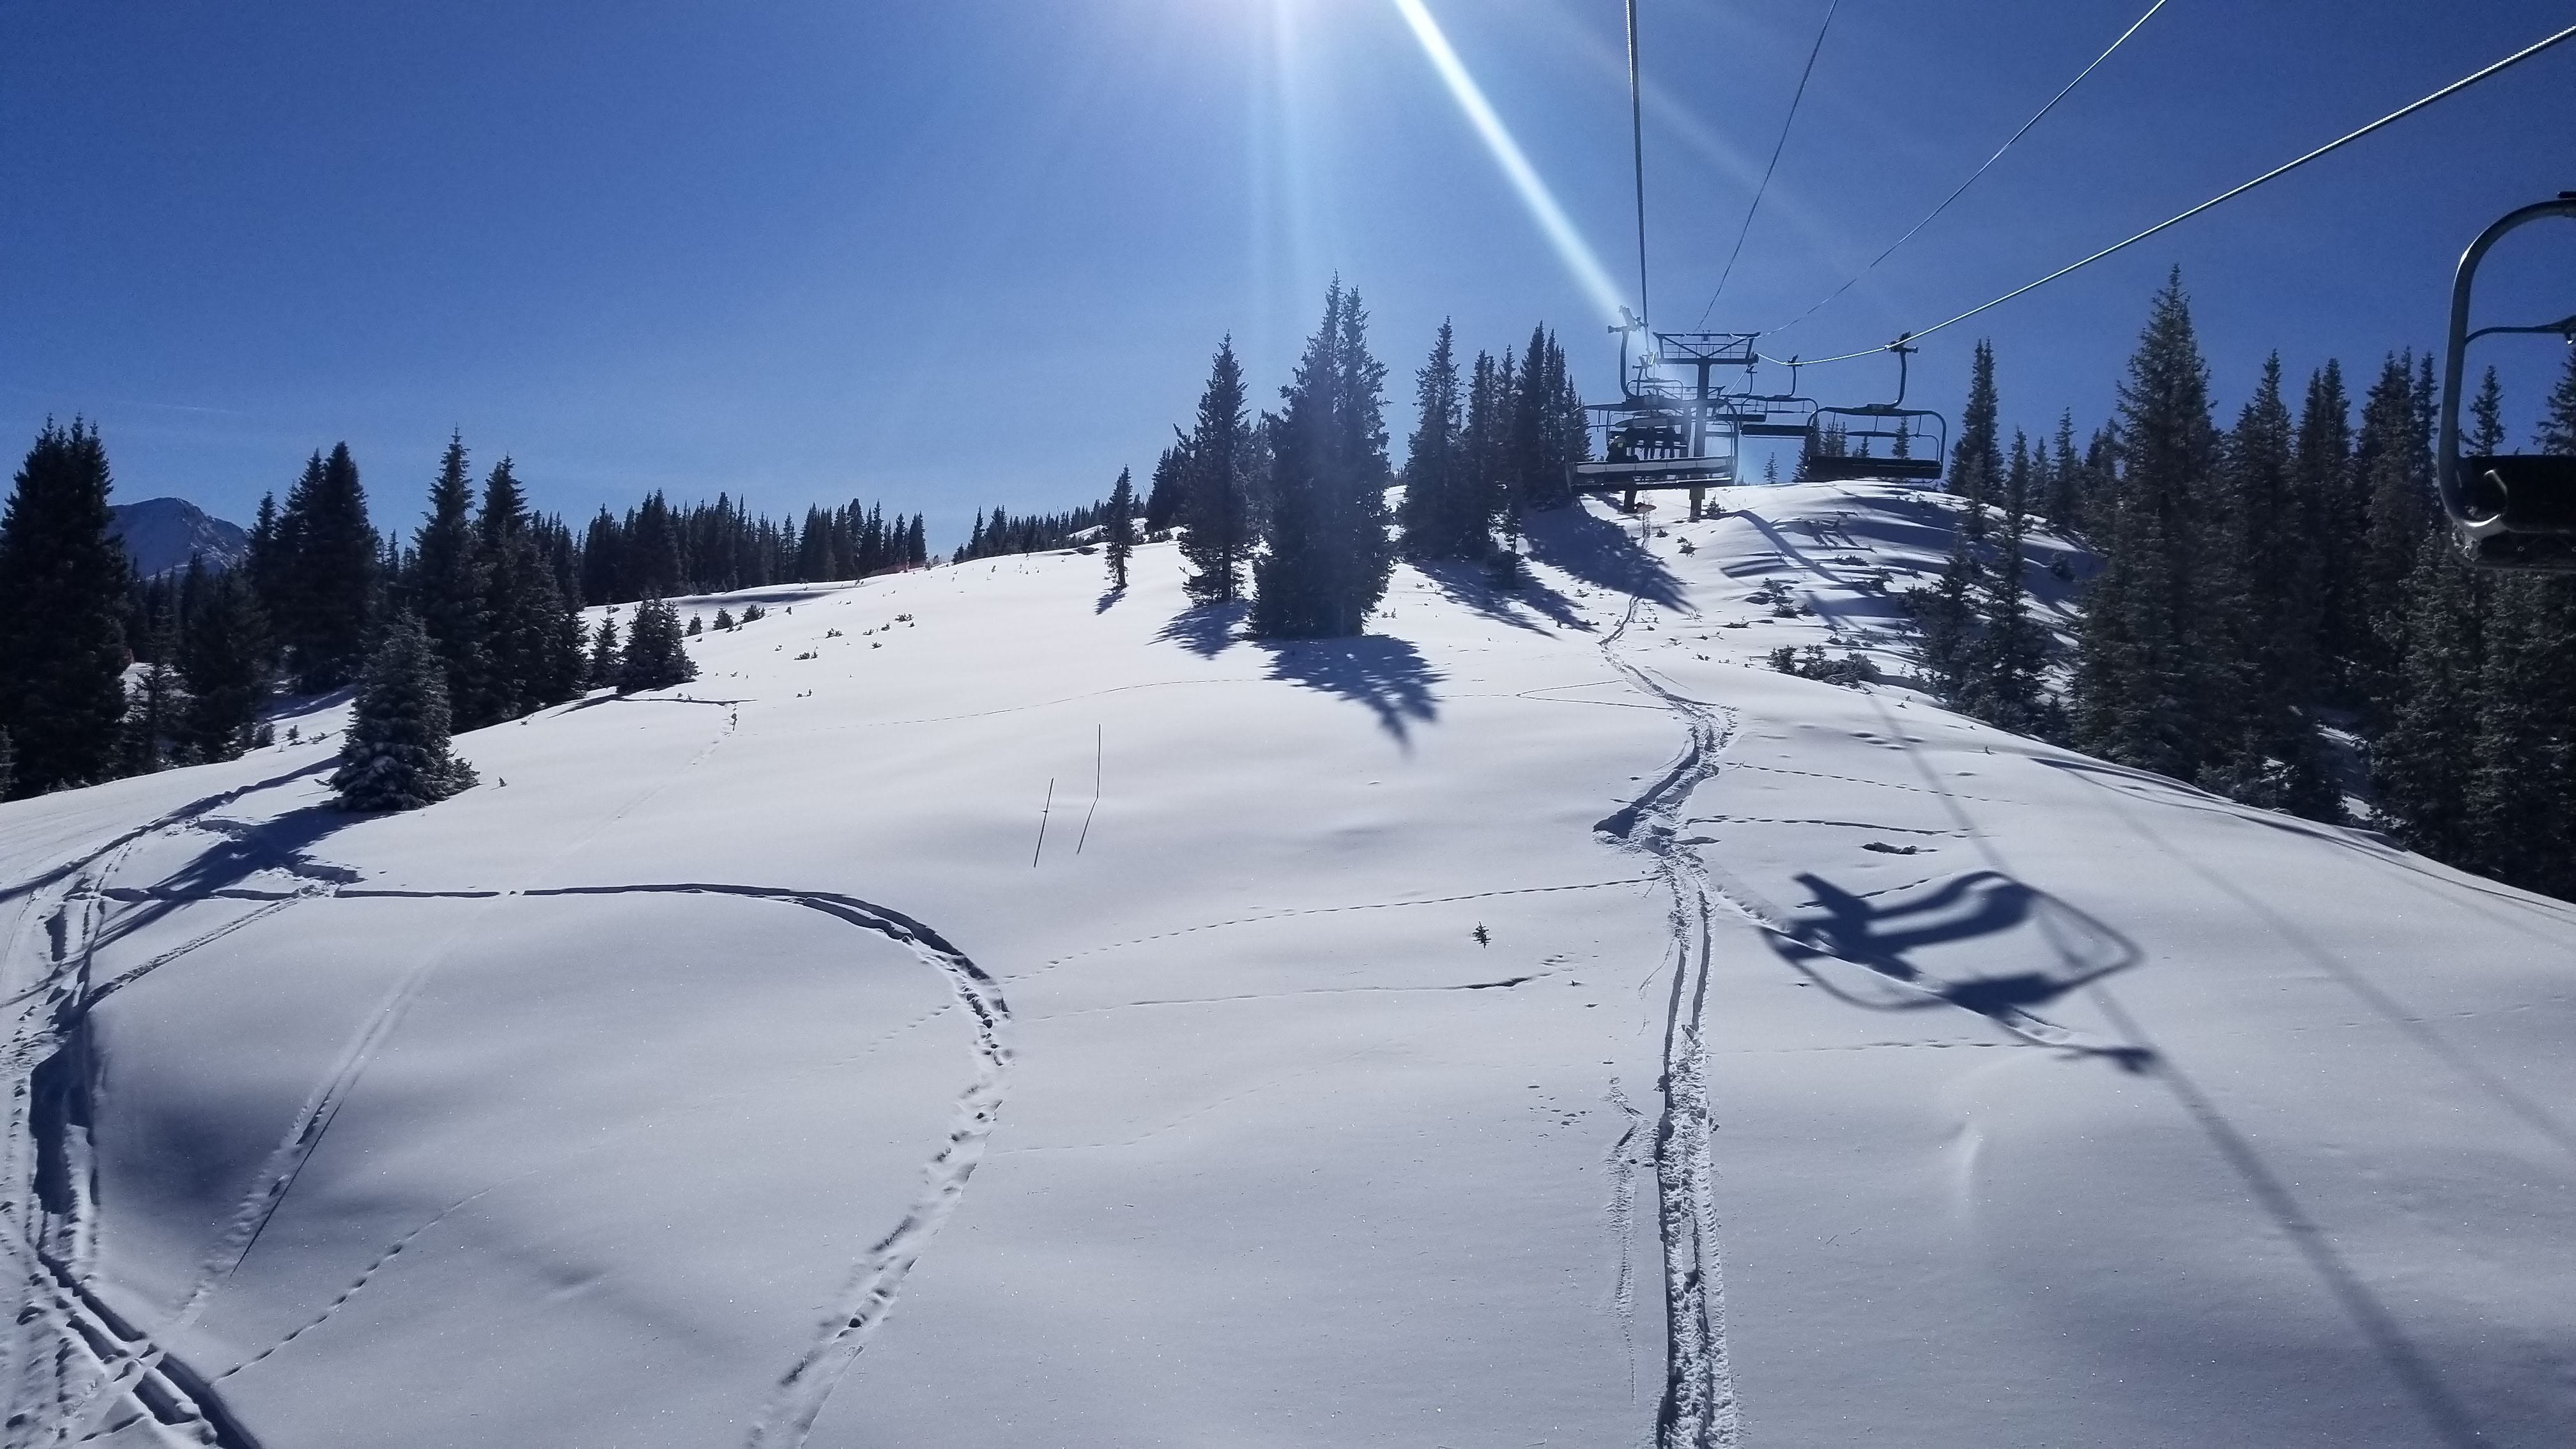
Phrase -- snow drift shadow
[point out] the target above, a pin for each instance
(1600, 552)
(1388, 675)
(1847, 930)
(1204, 629)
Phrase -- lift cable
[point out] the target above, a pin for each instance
(1962, 190)
(1637, 144)
(1791, 119)
(2454, 88)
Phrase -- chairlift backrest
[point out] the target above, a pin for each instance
(2511, 510)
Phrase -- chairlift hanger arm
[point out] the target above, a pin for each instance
(2453, 487)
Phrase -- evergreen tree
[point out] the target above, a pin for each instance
(2421, 764)
(1217, 510)
(1328, 558)
(655, 656)
(2005, 665)
(224, 660)
(62, 594)
(1976, 459)
(396, 756)
(2388, 458)
(2486, 418)
(2519, 798)
(2066, 478)
(155, 702)
(2557, 432)
(1119, 530)
(1445, 514)
(324, 607)
(2337, 517)
(2144, 688)
(1170, 485)
(605, 655)
(448, 570)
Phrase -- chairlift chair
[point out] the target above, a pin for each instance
(1660, 435)
(2508, 510)
(1902, 428)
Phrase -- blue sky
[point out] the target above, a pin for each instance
(977, 252)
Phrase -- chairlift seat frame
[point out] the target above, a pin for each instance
(2512, 510)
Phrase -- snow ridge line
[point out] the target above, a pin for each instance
(1699, 1409)
(869, 1295)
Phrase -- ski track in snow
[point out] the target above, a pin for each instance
(100, 1362)
(1699, 1408)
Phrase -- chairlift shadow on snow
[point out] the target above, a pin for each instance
(1600, 553)
(1388, 675)
(1204, 629)
(1883, 938)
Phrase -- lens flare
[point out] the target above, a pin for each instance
(1552, 220)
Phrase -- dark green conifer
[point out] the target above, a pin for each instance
(1327, 555)
(62, 596)
(224, 660)
(655, 656)
(448, 573)
(1216, 511)
(1445, 515)
(324, 610)
(605, 655)
(396, 756)
(1976, 459)
(1118, 531)
(2421, 763)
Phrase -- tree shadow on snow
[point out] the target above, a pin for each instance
(1387, 675)
(1844, 931)
(281, 849)
(1471, 586)
(1600, 552)
(1108, 596)
(1204, 629)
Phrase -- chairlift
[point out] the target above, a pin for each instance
(1662, 434)
(1900, 427)
(2509, 510)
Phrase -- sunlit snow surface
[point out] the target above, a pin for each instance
(746, 1070)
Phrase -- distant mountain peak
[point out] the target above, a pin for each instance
(161, 534)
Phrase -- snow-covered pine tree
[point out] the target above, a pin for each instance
(656, 658)
(1216, 507)
(62, 596)
(397, 755)
(1118, 530)
(1328, 556)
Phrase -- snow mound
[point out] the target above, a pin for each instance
(985, 1008)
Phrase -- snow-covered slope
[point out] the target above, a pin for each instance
(983, 1009)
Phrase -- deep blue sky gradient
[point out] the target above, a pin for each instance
(975, 252)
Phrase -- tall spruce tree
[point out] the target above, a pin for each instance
(1216, 510)
(224, 659)
(1445, 514)
(2421, 763)
(2389, 461)
(324, 608)
(2519, 798)
(1118, 531)
(2557, 430)
(62, 596)
(396, 756)
(1976, 459)
(2144, 686)
(448, 589)
(2006, 662)
(1327, 556)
